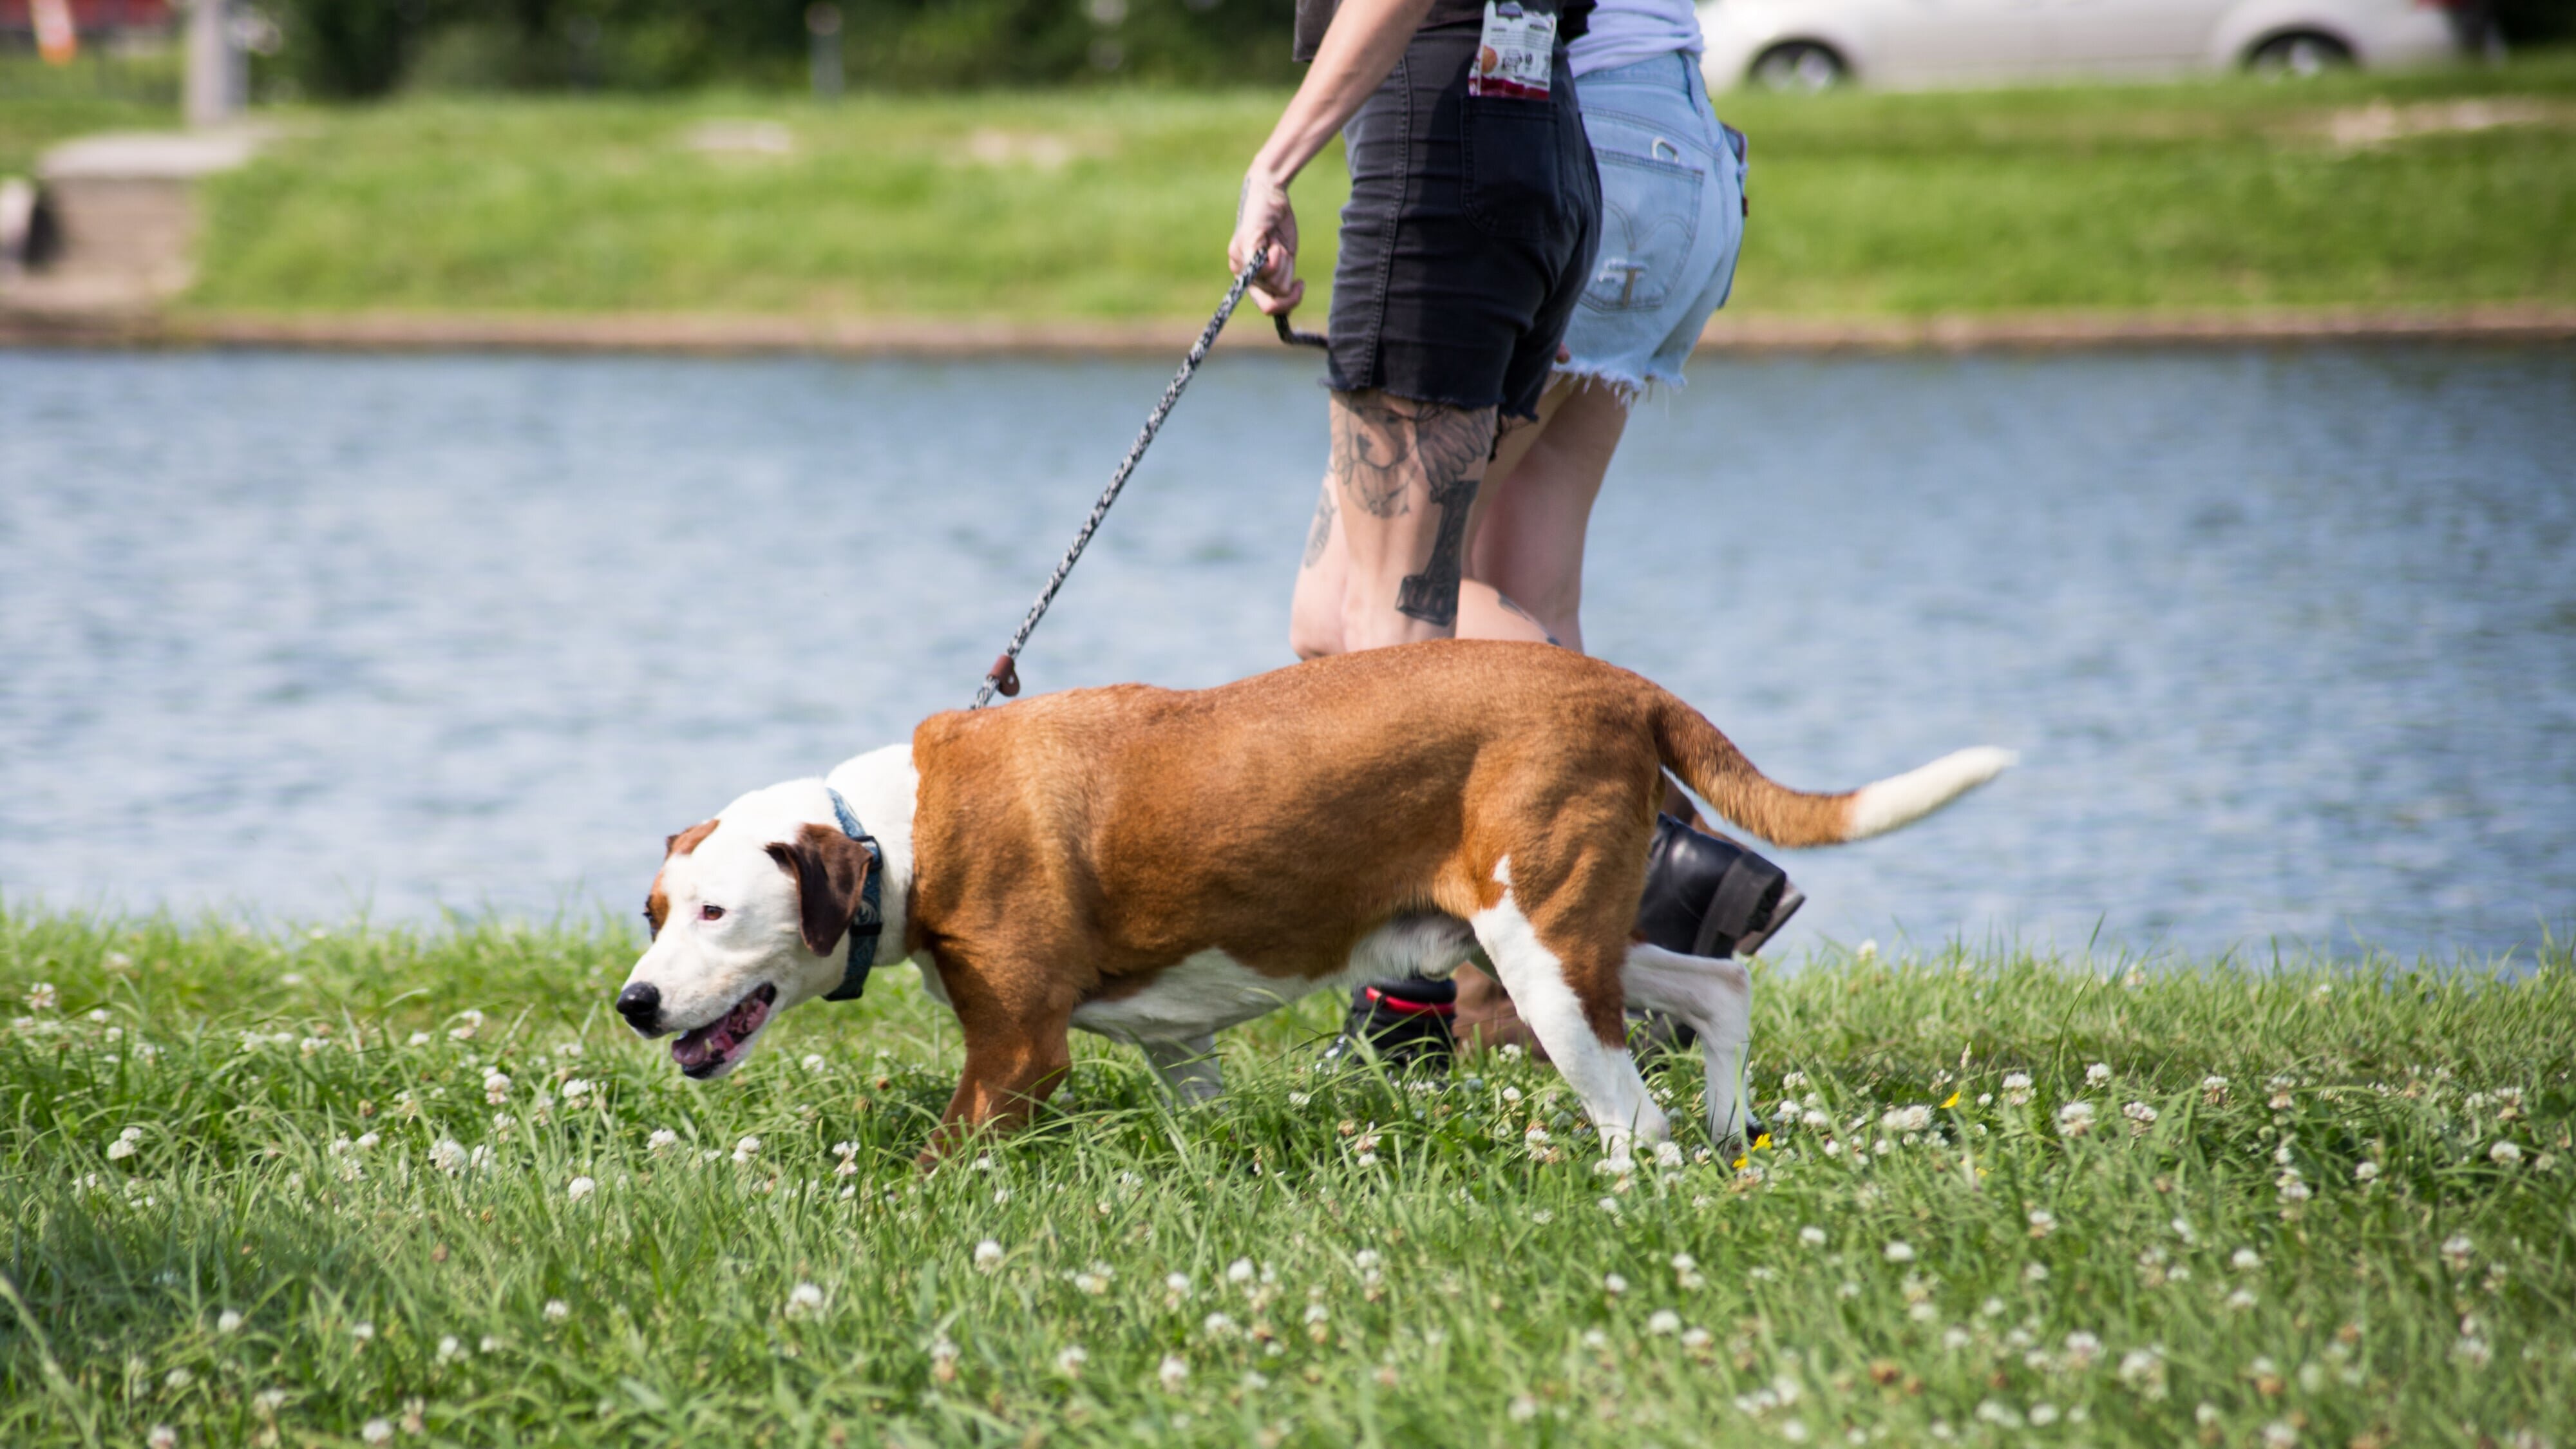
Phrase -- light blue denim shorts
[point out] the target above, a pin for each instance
(1672, 220)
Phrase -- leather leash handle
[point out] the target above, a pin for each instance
(1295, 338)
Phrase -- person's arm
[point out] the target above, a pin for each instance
(1359, 48)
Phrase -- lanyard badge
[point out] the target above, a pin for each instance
(1516, 53)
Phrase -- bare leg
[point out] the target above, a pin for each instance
(1526, 541)
(1404, 474)
(1315, 610)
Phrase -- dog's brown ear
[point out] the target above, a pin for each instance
(687, 840)
(829, 869)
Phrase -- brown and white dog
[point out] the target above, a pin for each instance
(1154, 866)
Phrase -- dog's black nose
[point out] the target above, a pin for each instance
(641, 1005)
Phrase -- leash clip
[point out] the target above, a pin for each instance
(1005, 675)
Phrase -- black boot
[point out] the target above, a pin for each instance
(1706, 896)
(1404, 1022)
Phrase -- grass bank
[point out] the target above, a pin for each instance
(341, 1187)
(2434, 189)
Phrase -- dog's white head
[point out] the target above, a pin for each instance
(751, 915)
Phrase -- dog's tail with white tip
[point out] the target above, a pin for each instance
(1710, 763)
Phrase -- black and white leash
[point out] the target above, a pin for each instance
(1004, 676)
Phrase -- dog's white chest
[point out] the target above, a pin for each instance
(1210, 991)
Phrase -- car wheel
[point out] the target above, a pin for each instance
(2298, 56)
(1799, 65)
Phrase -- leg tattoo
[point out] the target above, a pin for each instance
(1323, 530)
(1432, 595)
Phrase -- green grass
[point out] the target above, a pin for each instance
(41, 105)
(285, 1098)
(2212, 194)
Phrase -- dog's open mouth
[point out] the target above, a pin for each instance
(709, 1049)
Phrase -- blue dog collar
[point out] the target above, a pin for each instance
(867, 921)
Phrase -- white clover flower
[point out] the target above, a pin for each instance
(162, 1437)
(2042, 1222)
(805, 1300)
(42, 997)
(2365, 1172)
(1898, 1251)
(1512, 1095)
(126, 1144)
(2016, 1088)
(1664, 1321)
(1177, 1285)
(2096, 1074)
(1619, 1166)
(1595, 1338)
(2472, 1351)
(2504, 1154)
(2245, 1260)
(2081, 1349)
(1239, 1272)
(2034, 1273)
(2279, 1435)
(491, 1343)
(1093, 1280)
(1317, 1313)
(496, 1087)
(2141, 1114)
(574, 1090)
(447, 1155)
(1812, 1236)
(1535, 1138)
(1070, 1360)
(662, 1140)
(2241, 1301)
(813, 1062)
(556, 1310)
(579, 1188)
(177, 1378)
(1217, 1325)
(1523, 1408)
(2456, 1251)
(1174, 1373)
(228, 1321)
(988, 1255)
(1668, 1154)
(1906, 1119)
(745, 1150)
(1613, 1284)
(449, 1349)
(417, 1039)
(2075, 1119)
(1696, 1338)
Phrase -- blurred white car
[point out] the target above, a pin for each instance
(1812, 44)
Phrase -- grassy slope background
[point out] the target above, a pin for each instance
(1981, 1278)
(1113, 204)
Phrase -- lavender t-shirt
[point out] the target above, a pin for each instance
(1624, 32)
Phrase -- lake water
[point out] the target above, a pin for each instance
(2287, 638)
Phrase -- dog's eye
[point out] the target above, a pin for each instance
(710, 913)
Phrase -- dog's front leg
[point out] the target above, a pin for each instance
(1007, 1075)
(1018, 1050)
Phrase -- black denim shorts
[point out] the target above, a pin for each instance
(1468, 236)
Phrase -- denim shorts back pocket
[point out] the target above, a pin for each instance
(1650, 213)
(1514, 186)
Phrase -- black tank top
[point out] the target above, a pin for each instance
(1314, 15)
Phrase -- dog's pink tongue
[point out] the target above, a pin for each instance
(698, 1047)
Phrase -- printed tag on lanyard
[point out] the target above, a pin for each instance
(1517, 54)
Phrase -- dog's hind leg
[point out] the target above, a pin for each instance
(1543, 982)
(1188, 1068)
(1715, 998)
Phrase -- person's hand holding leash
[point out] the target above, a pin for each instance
(1264, 220)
